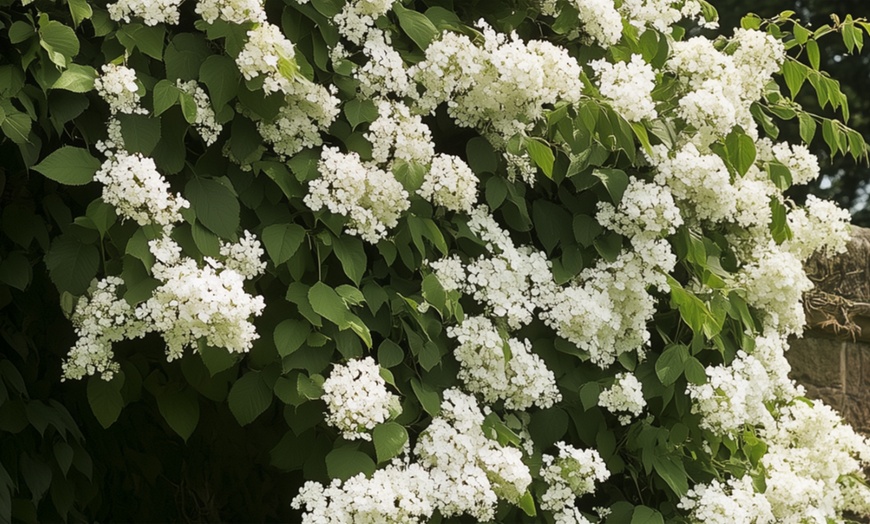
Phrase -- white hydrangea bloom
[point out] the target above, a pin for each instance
(118, 87)
(100, 318)
(233, 11)
(700, 182)
(624, 398)
(133, 185)
(775, 283)
(660, 14)
(450, 183)
(384, 73)
(822, 226)
(370, 198)
(397, 494)
(501, 88)
(803, 165)
(600, 20)
(470, 472)
(309, 109)
(752, 194)
(811, 453)
(645, 210)
(195, 302)
(572, 474)
(738, 394)
(398, 135)
(357, 17)
(152, 12)
(204, 123)
(244, 257)
(627, 87)
(499, 369)
(268, 53)
(357, 398)
(733, 501)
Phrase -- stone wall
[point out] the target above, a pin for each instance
(837, 372)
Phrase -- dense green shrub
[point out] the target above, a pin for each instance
(518, 260)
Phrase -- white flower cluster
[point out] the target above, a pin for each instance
(809, 468)
(268, 53)
(398, 494)
(600, 20)
(205, 122)
(739, 394)
(774, 282)
(152, 12)
(357, 398)
(190, 303)
(500, 369)
(624, 398)
(244, 257)
(358, 17)
(100, 319)
(370, 198)
(195, 302)
(821, 226)
(733, 501)
(606, 312)
(508, 282)
(502, 86)
(627, 87)
(450, 183)
(803, 165)
(133, 185)
(646, 210)
(398, 135)
(118, 87)
(660, 14)
(384, 73)
(572, 474)
(719, 86)
(469, 471)
(233, 11)
(309, 109)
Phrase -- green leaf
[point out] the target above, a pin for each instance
(589, 394)
(37, 475)
(20, 31)
(671, 364)
(71, 264)
(184, 55)
(615, 180)
(221, 77)
(813, 54)
(165, 95)
(15, 271)
(16, 126)
(76, 78)
(482, 158)
(328, 304)
(214, 205)
(249, 397)
(188, 107)
(141, 133)
(310, 387)
(671, 470)
(429, 399)
(795, 74)
(807, 127)
(527, 504)
(215, 359)
(59, 41)
(541, 154)
(345, 462)
(419, 28)
(360, 111)
(741, 151)
(105, 398)
(69, 165)
(695, 372)
(63, 453)
(645, 515)
(180, 409)
(390, 354)
(282, 241)
(389, 439)
(352, 255)
(548, 426)
(289, 336)
(80, 10)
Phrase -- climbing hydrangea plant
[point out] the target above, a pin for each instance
(514, 260)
